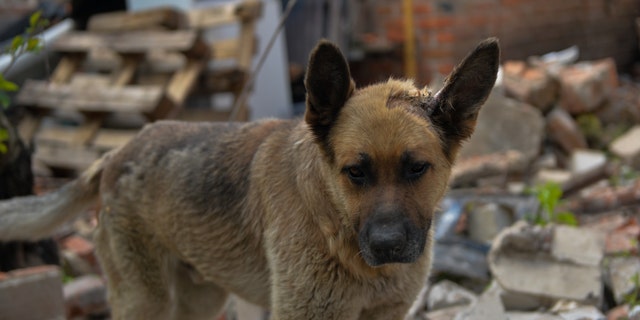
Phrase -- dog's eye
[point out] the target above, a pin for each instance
(356, 174)
(418, 169)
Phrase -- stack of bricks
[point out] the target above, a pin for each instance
(446, 29)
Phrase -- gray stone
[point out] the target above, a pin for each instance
(460, 258)
(443, 314)
(446, 294)
(32, 293)
(582, 313)
(519, 315)
(584, 160)
(486, 220)
(563, 130)
(619, 272)
(552, 175)
(529, 250)
(627, 147)
(86, 295)
(488, 306)
(578, 245)
(506, 124)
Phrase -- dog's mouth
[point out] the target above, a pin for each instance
(384, 241)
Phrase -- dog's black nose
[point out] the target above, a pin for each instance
(387, 240)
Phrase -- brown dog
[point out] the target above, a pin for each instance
(326, 218)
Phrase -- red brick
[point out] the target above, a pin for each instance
(421, 8)
(446, 37)
(436, 22)
(80, 246)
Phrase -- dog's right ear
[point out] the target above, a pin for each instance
(329, 85)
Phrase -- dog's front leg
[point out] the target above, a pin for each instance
(307, 286)
(386, 312)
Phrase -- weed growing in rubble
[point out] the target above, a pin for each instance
(548, 196)
(633, 297)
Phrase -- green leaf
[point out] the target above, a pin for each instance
(567, 218)
(16, 43)
(4, 134)
(3, 148)
(33, 44)
(549, 195)
(6, 85)
(4, 100)
(34, 18)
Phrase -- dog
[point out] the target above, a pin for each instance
(326, 217)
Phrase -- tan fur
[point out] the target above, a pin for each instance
(274, 211)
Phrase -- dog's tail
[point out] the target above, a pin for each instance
(36, 217)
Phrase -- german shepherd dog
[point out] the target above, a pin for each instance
(326, 217)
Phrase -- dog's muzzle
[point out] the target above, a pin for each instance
(391, 238)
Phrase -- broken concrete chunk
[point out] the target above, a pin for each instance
(486, 220)
(530, 84)
(585, 160)
(446, 294)
(517, 315)
(563, 130)
(488, 306)
(619, 275)
(578, 245)
(529, 250)
(552, 175)
(505, 124)
(627, 147)
(587, 85)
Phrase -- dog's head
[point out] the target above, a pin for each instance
(391, 146)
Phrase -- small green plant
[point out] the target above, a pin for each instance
(26, 42)
(548, 196)
(633, 298)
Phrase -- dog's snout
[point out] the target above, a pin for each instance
(387, 239)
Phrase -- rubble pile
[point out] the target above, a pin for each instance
(542, 221)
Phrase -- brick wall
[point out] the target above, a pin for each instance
(447, 29)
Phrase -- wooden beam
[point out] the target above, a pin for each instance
(204, 18)
(40, 94)
(152, 19)
(132, 42)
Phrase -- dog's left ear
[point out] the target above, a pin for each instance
(329, 85)
(455, 107)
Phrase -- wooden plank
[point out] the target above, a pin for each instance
(67, 66)
(247, 44)
(130, 42)
(108, 139)
(87, 131)
(183, 81)
(64, 157)
(204, 18)
(124, 75)
(151, 19)
(40, 94)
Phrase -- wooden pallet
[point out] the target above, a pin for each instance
(141, 65)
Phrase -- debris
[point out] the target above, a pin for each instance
(486, 220)
(563, 130)
(473, 168)
(487, 306)
(620, 312)
(627, 147)
(553, 273)
(530, 84)
(86, 296)
(518, 315)
(461, 258)
(601, 199)
(446, 294)
(498, 131)
(587, 85)
(620, 273)
(585, 160)
(32, 293)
